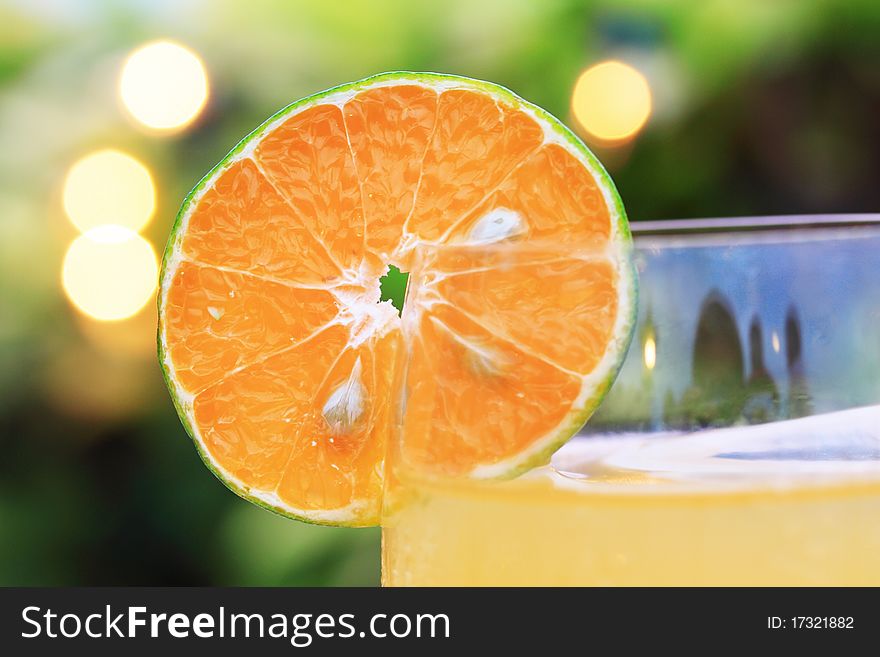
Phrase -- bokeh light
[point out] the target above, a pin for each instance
(650, 353)
(164, 85)
(110, 272)
(611, 101)
(109, 187)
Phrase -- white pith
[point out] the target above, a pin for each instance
(496, 225)
(345, 405)
(357, 291)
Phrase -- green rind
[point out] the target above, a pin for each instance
(575, 421)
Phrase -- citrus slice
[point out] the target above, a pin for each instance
(277, 350)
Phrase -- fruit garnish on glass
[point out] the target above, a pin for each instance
(296, 380)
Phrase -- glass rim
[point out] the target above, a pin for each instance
(672, 227)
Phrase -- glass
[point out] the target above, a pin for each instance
(740, 444)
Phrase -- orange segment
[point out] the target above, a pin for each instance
(243, 223)
(389, 131)
(553, 197)
(571, 298)
(252, 419)
(319, 473)
(474, 398)
(219, 321)
(309, 160)
(337, 465)
(281, 359)
(476, 144)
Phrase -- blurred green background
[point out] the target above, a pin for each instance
(758, 108)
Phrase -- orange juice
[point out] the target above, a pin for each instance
(781, 504)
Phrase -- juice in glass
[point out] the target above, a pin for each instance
(740, 444)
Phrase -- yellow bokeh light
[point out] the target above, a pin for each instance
(611, 101)
(163, 85)
(109, 187)
(110, 272)
(774, 341)
(650, 353)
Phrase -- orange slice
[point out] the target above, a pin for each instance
(276, 348)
